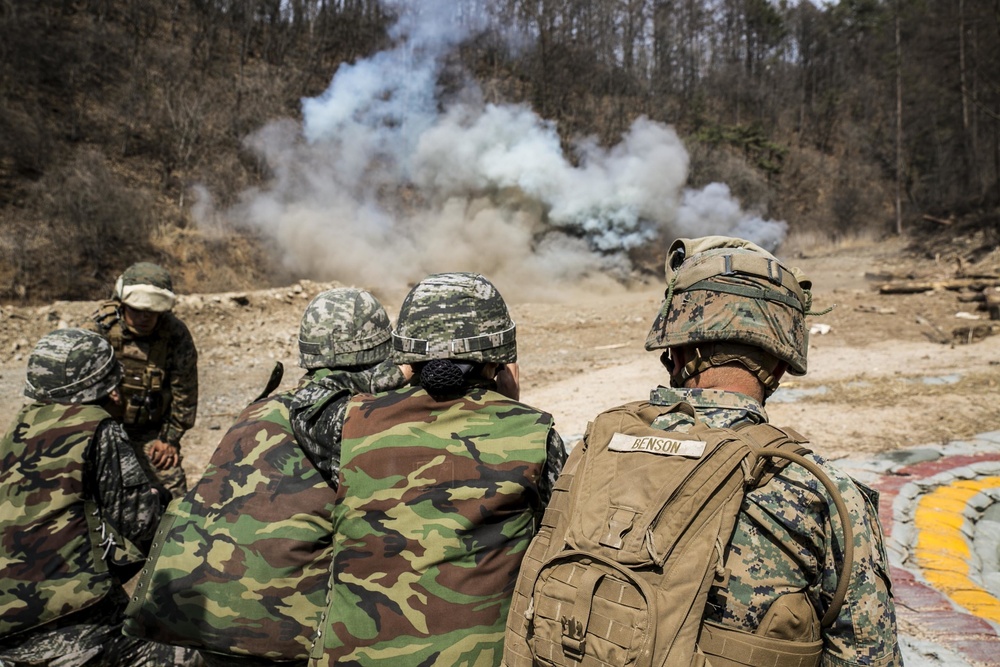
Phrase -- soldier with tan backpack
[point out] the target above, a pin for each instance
(686, 530)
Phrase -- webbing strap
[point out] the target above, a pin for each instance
(746, 291)
(729, 647)
(750, 264)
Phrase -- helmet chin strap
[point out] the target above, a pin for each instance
(710, 355)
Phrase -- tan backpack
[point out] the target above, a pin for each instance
(635, 537)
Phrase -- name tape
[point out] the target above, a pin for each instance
(656, 445)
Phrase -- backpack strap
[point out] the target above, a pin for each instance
(768, 443)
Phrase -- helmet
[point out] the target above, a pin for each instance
(72, 366)
(343, 327)
(146, 286)
(727, 290)
(454, 316)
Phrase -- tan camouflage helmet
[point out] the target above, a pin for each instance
(146, 286)
(343, 327)
(727, 290)
(72, 366)
(454, 316)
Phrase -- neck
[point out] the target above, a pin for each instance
(728, 378)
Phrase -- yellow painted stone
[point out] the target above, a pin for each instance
(943, 552)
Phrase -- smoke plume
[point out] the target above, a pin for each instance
(386, 181)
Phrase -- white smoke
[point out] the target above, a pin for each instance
(385, 182)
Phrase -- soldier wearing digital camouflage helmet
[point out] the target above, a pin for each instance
(442, 483)
(77, 514)
(241, 573)
(731, 324)
(160, 385)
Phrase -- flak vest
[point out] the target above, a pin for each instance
(240, 564)
(437, 503)
(53, 543)
(145, 391)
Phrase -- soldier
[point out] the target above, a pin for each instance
(77, 513)
(441, 485)
(242, 571)
(787, 590)
(160, 386)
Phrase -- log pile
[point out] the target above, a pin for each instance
(981, 289)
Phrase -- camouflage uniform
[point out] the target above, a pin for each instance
(320, 404)
(439, 495)
(244, 558)
(728, 302)
(76, 515)
(160, 388)
(785, 542)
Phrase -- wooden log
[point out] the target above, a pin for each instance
(953, 284)
(940, 221)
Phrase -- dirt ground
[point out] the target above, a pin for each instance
(887, 373)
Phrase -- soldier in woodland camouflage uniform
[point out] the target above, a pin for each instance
(441, 484)
(242, 568)
(160, 386)
(77, 514)
(732, 322)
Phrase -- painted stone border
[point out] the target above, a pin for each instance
(931, 500)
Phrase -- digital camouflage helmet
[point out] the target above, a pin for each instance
(344, 327)
(146, 286)
(72, 366)
(459, 316)
(726, 296)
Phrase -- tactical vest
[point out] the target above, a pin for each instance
(145, 392)
(53, 543)
(240, 564)
(437, 504)
(635, 538)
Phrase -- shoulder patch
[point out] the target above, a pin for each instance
(652, 444)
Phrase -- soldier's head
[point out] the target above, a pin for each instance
(72, 366)
(730, 303)
(145, 291)
(459, 318)
(343, 327)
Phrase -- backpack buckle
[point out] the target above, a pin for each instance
(574, 638)
(619, 524)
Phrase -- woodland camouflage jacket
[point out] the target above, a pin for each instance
(161, 373)
(72, 497)
(242, 561)
(438, 501)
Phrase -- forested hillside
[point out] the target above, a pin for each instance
(242, 142)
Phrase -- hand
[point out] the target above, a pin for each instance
(508, 381)
(407, 371)
(163, 455)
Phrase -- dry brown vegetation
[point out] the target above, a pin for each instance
(113, 111)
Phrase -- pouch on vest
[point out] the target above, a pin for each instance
(633, 540)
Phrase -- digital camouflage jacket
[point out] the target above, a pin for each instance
(160, 386)
(437, 503)
(785, 542)
(242, 561)
(72, 499)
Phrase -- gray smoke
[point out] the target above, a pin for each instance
(385, 182)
